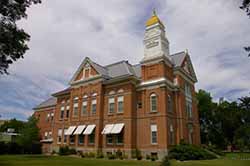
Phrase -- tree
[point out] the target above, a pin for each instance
(206, 109)
(13, 40)
(246, 7)
(14, 124)
(29, 137)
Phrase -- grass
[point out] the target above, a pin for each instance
(231, 159)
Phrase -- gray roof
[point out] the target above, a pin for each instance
(178, 58)
(124, 68)
(48, 103)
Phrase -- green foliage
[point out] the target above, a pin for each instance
(10, 148)
(14, 124)
(13, 40)
(99, 155)
(165, 161)
(225, 123)
(65, 150)
(29, 137)
(118, 154)
(111, 156)
(190, 152)
(246, 6)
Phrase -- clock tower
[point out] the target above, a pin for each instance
(156, 44)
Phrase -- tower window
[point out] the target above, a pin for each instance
(153, 134)
(153, 102)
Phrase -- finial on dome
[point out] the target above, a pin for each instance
(154, 19)
(154, 12)
(186, 51)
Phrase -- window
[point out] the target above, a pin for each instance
(93, 106)
(119, 138)
(84, 107)
(92, 138)
(170, 103)
(50, 134)
(48, 117)
(120, 104)
(81, 139)
(109, 139)
(153, 102)
(139, 105)
(75, 109)
(188, 90)
(86, 71)
(52, 116)
(189, 109)
(111, 105)
(171, 134)
(190, 133)
(46, 135)
(62, 112)
(67, 111)
(65, 136)
(59, 136)
(72, 139)
(153, 134)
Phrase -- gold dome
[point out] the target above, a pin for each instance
(153, 20)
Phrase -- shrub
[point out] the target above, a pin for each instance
(99, 155)
(66, 151)
(165, 161)
(118, 154)
(153, 158)
(190, 152)
(111, 156)
(91, 155)
(124, 156)
(148, 157)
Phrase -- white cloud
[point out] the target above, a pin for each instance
(63, 33)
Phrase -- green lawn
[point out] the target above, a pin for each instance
(23, 160)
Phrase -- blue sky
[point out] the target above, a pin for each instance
(63, 33)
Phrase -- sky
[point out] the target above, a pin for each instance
(64, 32)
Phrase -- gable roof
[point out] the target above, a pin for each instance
(47, 103)
(124, 68)
(178, 58)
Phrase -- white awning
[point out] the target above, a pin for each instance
(89, 130)
(117, 128)
(107, 129)
(79, 129)
(47, 140)
(70, 130)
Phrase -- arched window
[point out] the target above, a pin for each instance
(120, 91)
(112, 92)
(153, 102)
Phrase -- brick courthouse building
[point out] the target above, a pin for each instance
(149, 106)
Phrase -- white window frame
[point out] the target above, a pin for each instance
(75, 109)
(84, 104)
(151, 102)
(120, 99)
(93, 102)
(153, 129)
(111, 100)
